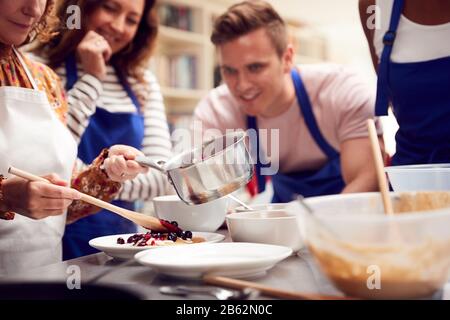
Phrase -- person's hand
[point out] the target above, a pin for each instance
(120, 165)
(37, 200)
(94, 51)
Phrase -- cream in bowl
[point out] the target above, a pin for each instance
(276, 227)
(372, 255)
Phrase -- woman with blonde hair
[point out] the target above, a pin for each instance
(33, 137)
(113, 99)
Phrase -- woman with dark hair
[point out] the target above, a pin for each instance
(113, 99)
(33, 137)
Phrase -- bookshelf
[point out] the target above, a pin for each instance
(169, 35)
(185, 58)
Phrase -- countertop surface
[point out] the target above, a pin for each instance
(296, 273)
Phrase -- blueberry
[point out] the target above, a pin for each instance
(188, 234)
(130, 239)
(172, 236)
(120, 241)
(174, 223)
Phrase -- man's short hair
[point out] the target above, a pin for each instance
(247, 16)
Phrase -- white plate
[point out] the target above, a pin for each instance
(109, 245)
(234, 259)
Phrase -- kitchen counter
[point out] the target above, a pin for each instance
(296, 273)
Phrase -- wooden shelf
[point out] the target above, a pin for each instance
(178, 35)
(178, 93)
(184, 109)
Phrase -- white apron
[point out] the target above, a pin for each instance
(32, 138)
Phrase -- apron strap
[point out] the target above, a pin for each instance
(72, 77)
(126, 85)
(71, 71)
(261, 180)
(310, 120)
(382, 100)
(27, 71)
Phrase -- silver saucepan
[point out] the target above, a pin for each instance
(215, 169)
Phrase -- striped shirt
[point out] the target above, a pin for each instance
(89, 93)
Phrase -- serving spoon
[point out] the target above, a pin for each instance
(143, 220)
(246, 206)
(217, 292)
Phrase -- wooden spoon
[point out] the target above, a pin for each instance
(268, 291)
(382, 183)
(145, 221)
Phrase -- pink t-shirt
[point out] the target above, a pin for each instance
(341, 103)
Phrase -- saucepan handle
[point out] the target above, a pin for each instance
(148, 162)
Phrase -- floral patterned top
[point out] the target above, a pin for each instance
(93, 180)
(13, 74)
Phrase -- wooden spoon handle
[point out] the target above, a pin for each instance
(150, 222)
(269, 291)
(379, 166)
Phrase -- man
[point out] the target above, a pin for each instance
(319, 110)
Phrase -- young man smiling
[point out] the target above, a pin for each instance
(320, 110)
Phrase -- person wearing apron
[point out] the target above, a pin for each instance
(290, 108)
(33, 130)
(419, 93)
(34, 138)
(105, 129)
(113, 98)
(323, 181)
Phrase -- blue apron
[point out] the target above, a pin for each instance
(326, 180)
(104, 130)
(420, 95)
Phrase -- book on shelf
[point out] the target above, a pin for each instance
(182, 71)
(176, 71)
(176, 16)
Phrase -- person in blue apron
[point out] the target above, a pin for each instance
(323, 181)
(104, 129)
(414, 76)
(113, 99)
(309, 119)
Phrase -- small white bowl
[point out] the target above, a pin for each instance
(423, 177)
(206, 217)
(262, 207)
(270, 227)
